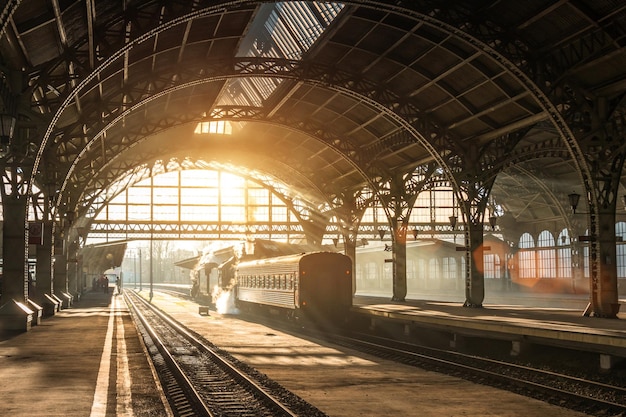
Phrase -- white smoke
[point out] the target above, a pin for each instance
(224, 301)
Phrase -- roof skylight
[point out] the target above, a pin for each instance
(280, 30)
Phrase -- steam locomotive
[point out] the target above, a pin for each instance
(312, 286)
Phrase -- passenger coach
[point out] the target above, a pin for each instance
(315, 286)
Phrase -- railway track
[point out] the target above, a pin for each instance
(199, 380)
(549, 385)
(576, 393)
(553, 386)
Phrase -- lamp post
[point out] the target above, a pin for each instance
(135, 254)
(136, 258)
(7, 128)
(151, 267)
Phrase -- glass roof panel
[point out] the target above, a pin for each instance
(279, 30)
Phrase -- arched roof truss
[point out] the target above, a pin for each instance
(350, 96)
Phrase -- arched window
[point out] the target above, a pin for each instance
(546, 258)
(526, 255)
(492, 266)
(564, 255)
(449, 268)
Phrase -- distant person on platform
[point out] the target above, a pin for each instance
(105, 285)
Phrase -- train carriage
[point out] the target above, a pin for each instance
(315, 285)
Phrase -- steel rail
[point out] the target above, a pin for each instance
(224, 363)
(191, 395)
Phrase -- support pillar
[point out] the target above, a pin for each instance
(44, 270)
(604, 296)
(60, 283)
(14, 312)
(14, 250)
(475, 279)
(399, 266)
(73, 282)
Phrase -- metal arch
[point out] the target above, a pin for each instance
(74, 93)
(428, 19)
(352, 153)
(335, 143)
(5, 15)
(548, 148)
(136, 163)
(555, 116)
(502, 57)
(119, 54)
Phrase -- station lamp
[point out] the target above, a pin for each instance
(7, 127)
(573, 201)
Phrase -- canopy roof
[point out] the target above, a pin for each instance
(328, 98)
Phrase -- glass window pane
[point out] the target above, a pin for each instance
(199, 196)
(234, 214)
(139, 195)
(114, 211)
(279, 214)
(164, 195)
(166, 213)
(139, 212)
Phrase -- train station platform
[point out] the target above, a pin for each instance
(521, 325)
(83, 361)
(88, 360)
